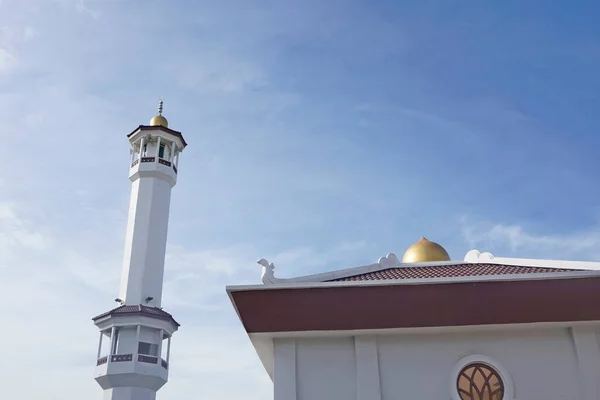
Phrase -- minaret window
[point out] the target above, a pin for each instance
(148, 349)
(164, 151)
(144, 150)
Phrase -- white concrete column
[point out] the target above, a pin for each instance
(112, 343)
(161, 333)
(136, 145)
(137, 343)
(367, 368)
(100, 346)
(284, 378)
(169, 350)
(174, 152)
(588, 360)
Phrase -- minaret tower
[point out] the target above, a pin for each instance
(135, 338)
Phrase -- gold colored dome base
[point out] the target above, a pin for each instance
(159, 120)
(425, 251)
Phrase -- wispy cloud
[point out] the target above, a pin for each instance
(515, 240)
(83, 7)
(7, 62)
(455, 117)
(17, 233)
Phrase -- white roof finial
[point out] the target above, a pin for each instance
(268, 272)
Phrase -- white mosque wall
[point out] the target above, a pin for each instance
(536, 364)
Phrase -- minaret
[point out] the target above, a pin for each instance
(133, 358)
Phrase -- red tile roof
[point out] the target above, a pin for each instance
(448, 271)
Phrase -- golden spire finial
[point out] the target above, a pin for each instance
(159, 120)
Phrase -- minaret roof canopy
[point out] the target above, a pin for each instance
(138, 309)
(143, 128)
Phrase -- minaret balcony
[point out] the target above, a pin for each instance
(153, 166)
(129, 357)
(138, 348)
(162, 161)
(121, 367)
(153, 161)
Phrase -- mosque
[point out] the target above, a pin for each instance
(425, 327)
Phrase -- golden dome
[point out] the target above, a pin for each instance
(159, 120)
(425, 250)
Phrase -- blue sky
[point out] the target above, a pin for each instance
(321, 135)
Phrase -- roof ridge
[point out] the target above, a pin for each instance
(462, 269)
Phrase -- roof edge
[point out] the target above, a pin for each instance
(392, 261)
(475, 256)
(294, 284)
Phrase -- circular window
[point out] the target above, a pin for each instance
(478, 381)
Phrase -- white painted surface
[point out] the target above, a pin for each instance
(146, 236)
(367, 368)
(285, 378)
(129, 393)
(125, 375)
(475, 256)
(148, 220)
(335, 376)
(539, 364)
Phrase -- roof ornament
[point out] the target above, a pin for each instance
(476, 256)
(268, 272)
(159, 119)
(391, 260)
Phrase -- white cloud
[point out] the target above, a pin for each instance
(61, 232)
(17, 233)
(215, 356)
(305, 260)
(83, 7)
(61, 229)
(515, 240)
(54, 281)
(195, 279)
(29, 33)
(51, 286)
(8, 62)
